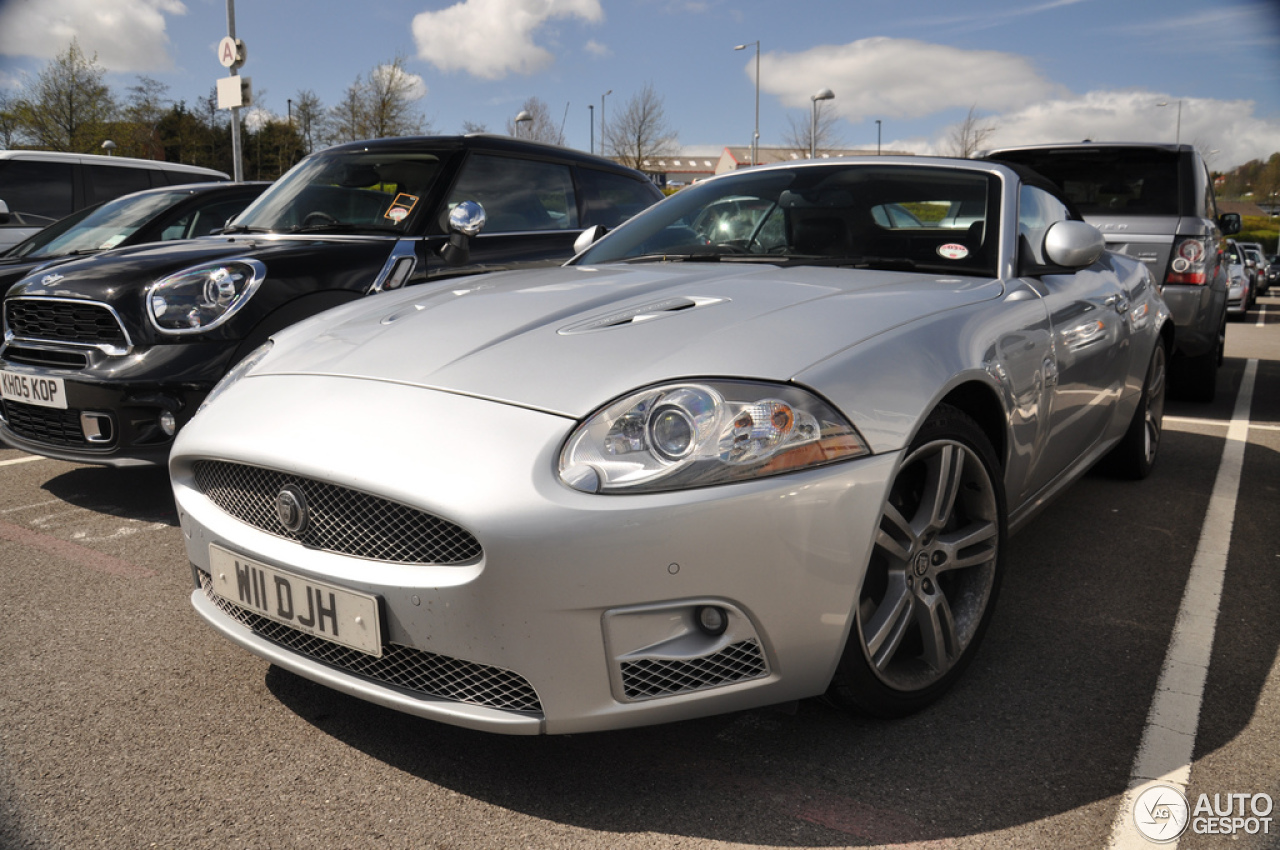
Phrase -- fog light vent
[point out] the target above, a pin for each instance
(647, 678)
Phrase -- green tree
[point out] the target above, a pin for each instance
(143, 111)
(68, 106)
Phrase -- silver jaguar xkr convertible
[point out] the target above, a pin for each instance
(764, 441)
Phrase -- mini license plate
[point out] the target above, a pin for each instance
(320, 609)
(29, 389)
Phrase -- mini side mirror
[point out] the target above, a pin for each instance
(1073, 244)
(1230, 223)
(466, 220)
(4, 213)
(588, 237)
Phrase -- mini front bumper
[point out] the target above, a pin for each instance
(589, 602)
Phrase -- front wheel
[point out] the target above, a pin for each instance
(1135, 454)
(933, 576)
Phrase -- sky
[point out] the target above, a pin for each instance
(1205, 72)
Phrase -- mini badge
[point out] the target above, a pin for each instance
(953, 251)
(401, 207)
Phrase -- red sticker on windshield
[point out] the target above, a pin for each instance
(953, 251)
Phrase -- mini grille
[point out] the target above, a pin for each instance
(63, 321)
(413, 670)
(32, 356)
(47, 425)
(657, 677)
(340, 520)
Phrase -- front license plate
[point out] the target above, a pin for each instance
(29, 389)
(320, 609)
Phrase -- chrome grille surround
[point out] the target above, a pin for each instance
(66, 321)
(407, 669)
(342, 520)
(649, 678)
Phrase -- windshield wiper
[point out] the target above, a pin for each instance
(242, 228)
(340, 227)
(886, 263)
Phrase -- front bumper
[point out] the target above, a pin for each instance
(587, 602)
(114, 407)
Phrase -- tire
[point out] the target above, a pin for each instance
(1197, 377)
(1135, 455)
(933, 576)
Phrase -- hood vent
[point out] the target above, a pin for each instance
(642, 313)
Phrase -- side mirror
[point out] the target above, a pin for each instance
(588, 237)
(1073, 244)
(1230, 223)
(466, 220)
(4, 213)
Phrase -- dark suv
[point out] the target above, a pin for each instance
(1155, 203)
(104, 359)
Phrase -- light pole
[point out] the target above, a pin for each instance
(823, 94)
(755, 137)
(877, 137)
(523, 118)
(1177, 138)
(602, 136)
(591, 112)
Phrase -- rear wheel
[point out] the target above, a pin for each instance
(933, 576)
(1135, 454)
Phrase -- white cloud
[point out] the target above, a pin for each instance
(1226, 131)
(126, 35)
(903, 78)
(415, 88)
(493, 38)
(598, 50)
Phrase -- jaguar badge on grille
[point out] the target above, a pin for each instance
(291, 508)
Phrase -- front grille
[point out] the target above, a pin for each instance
(657, 677)
(33, 356)
(340, 520)
(413, 670)
(84, 323)
(47, 425)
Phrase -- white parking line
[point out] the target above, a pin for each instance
(27, 459)
(1168, 741)
(1262, 315)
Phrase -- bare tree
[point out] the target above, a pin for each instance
(68, 106)
(147, 105)
(469, 127)
(381, 105)
(970, 135)
(801, 136)
(639, 131)
(311, 120)
(541, 128)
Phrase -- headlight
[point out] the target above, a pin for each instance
(697, 434)
(236, 372)
(197, 299)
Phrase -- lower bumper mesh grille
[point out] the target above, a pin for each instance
(657, 677)
(47, 425)
(422, 673)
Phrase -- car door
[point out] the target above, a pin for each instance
(1088, 316)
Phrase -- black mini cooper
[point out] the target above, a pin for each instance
(105, 359)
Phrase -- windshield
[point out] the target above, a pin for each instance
(348, 191)
(874, 216)
(97, 229)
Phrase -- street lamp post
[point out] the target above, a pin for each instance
(523, 118)
(755, 137)
(877, 137)
(1177, 138)
(602, 136)
(591, 112)
(823, 94)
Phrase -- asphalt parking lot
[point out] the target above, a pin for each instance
(127, 723)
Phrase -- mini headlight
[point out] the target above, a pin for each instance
(197, 299)
(676, 436)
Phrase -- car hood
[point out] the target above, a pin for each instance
(567, 340)
(122, 272)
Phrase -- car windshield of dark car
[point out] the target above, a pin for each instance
(344, 192)
(1109, 181)
(858, 215)
(103, 228)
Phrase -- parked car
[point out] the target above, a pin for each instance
(678, 477)
(38, 188)
(1156, 203)
(1240, 295)
(153, 215)
(1273, 270)
(128, 344)
(1256, 265)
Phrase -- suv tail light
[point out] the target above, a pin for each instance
(1188, 263)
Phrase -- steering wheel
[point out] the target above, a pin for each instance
(318, 217)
